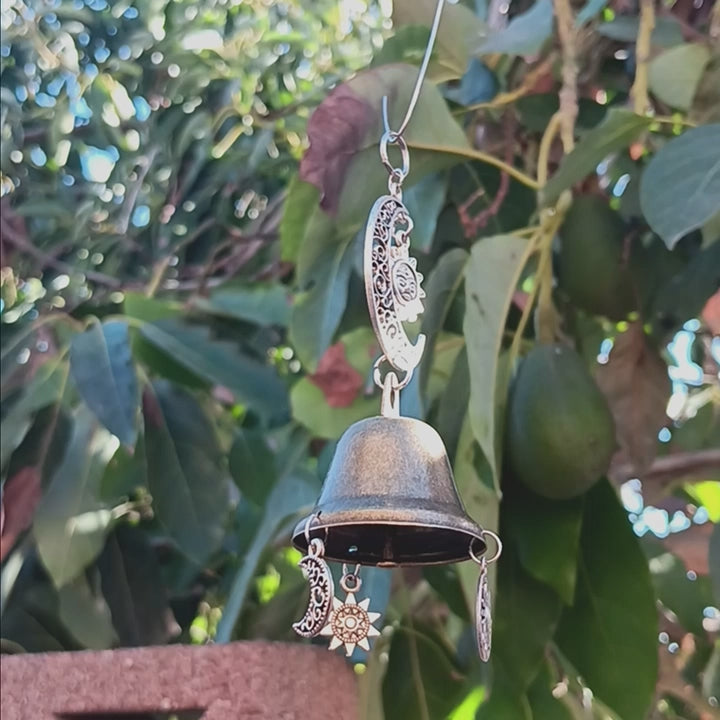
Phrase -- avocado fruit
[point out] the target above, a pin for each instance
(592, 266)
(560, 434)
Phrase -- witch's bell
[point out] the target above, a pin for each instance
(389, 498)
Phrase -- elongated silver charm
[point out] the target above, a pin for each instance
(392, 283)
(483, 614)
(322, 591)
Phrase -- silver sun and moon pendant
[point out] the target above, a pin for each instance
(348, 623)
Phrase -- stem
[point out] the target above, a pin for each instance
(545, 145)
(414, 657)
(482, 157)
(639, 91)
(568, 92)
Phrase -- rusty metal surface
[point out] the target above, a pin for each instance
(238, 681)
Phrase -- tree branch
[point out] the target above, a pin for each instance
(639, 91)
(568, 92)
(671, 469)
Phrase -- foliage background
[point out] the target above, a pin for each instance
(184, 335)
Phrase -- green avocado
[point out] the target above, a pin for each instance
(592, 267)
(561, 434)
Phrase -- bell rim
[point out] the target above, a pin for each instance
(475, 534)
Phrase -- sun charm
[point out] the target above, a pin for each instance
(350, 622)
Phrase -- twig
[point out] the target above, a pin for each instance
(24, 245)
(545, 145)
(473, 154)
(674, 467)
(131, 197)
(639, 91)
(568, 92)
(527, 84)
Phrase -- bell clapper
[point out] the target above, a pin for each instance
(350, 622)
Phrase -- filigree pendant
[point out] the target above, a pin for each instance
(322, 591)
(351, 623)
(483, 614)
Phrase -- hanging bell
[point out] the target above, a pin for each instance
(390, 499)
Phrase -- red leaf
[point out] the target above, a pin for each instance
(20, 497)
(711, 313)
(336, 132)
(692, 546)
(339, 381)
(636, 385)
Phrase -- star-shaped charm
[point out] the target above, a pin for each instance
(351, 624)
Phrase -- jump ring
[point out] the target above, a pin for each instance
(483, 559)
(315, 517)
(392, 138)
(377, 377)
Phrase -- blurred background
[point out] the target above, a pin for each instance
(185, 337)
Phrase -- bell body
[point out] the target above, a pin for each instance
(390, 499)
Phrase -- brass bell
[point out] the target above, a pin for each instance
(390, 499)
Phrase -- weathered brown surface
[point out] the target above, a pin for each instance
(239, 681)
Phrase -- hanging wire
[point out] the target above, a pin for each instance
(393, 135)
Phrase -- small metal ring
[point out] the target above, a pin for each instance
(392, 138)
(315, 517)
(498, 547)
(316, 547)
(351, 582)
(380, 382)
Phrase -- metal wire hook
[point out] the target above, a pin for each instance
(394, 135)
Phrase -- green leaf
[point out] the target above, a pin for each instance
(505, 702)
(542, 702)
(615, 133)
(70, 521)
(706, 494)
(408, 45)
(133, 590)
(323, 271)
(422, 679)
(221, 363)
(440, 288)
(310, 408)
(347, 126)
(46, 388)
(300, 203)
(459, 31)
(680, 187)
(102, 369)
(424, 201)
(293, 494)
(85, 614)
(481, 501)
(260, 304)
(547, 536)
(614, 614)
(252, 465)
(491, 277)
(588, 11)
(526, 613)
(525, 34)
(184, 474)
(624, 28)
(674, 75)
(684, 597)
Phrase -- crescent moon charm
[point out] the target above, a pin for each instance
(322, 591)
(392, 282)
